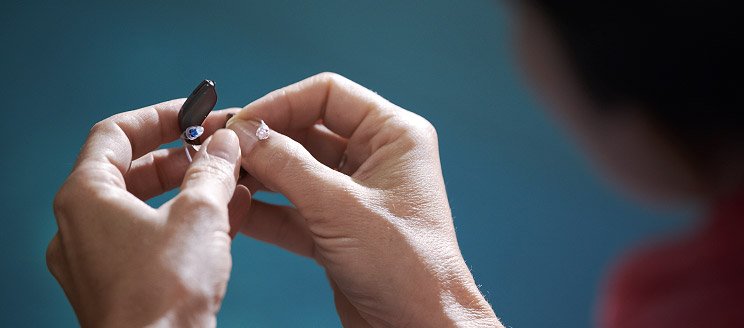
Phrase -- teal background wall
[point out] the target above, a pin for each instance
(534, 224)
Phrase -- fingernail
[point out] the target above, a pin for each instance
(231, 119)
(228, 117)
(223, 144)
(246, 131)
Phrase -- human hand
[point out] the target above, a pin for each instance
(124, 263)
(371, 206)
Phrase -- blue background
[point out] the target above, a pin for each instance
(534, 224)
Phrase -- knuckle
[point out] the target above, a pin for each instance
(333, 80)
(211, 169)
(68, 197)
(219, 170)
(53, 255)
(193, 199)
(329, 77)
(101, 126)
(420, 128)
(84, 188)
(61, 201)
(412, 130)
(105, 197)
(421, 125)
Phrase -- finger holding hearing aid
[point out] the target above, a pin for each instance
(369, 202)
(123, 262)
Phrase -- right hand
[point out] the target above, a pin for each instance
(370, 203)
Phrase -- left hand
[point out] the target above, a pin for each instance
(124, 263)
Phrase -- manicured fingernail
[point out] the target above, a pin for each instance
(223, 144)
(246, 131)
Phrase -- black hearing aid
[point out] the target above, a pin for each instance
(195, 110)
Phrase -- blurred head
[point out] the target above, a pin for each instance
(647, 87)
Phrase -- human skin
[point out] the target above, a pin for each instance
(369, 200)
(123, 263)
(379, 224)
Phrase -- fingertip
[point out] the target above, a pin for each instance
(224, 144)
(214, 171)
(245, 130)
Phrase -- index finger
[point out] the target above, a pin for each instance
(115, 141)
(338, 102)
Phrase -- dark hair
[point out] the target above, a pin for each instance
(677, 59)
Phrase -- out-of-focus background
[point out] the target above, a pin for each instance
(535, 225)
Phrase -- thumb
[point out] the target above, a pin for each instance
(285, 166)
(212, 176)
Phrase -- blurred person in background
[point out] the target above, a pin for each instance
(647, 88)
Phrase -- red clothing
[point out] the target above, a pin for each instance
(695, 281)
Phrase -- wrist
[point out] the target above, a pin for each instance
(174, 310)
(464, 306)
(172, 318)
(186, 318)
(460, 302)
